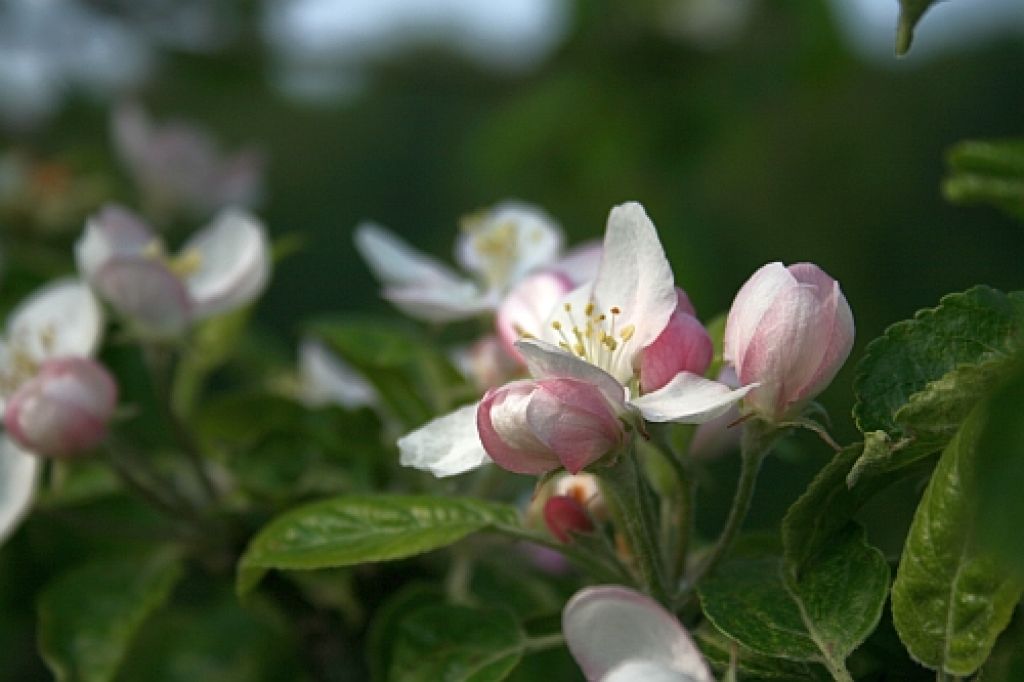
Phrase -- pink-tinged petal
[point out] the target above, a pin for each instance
(581, 262)
(635, 276)
(785, 350)
(64, 409)
(606, 627)
(840, 343)
(546, 361)
(689, 399)
(486, 363)
(525, 310)
(61, 318)
(114, 231)
(504, 244)
(683, 346)
(506, 434)
(749, 306)
(683, 303)
(146, 293)
(574, 420)
(565, 516)
(19, 471)
(446, 446)
(809, 273)
(234, 261)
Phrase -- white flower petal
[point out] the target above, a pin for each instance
(639, 670)
(547, 361)
(62, 318)
(325, 379)
(19, 471)
(446, 446)
(581, 262)
(114, 232)
(147, 294)
(634, 275)
(397, 264)
(608, 626)
(234, 263)
(438, 301)
(689, 399)
(508, 242)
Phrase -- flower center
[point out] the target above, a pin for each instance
(594, 336)
(184, 264)
(498, 246)
(19, 364)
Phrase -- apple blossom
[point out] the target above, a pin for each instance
(531, 427)
(497, 248)
(57, 326)
(619, 635)
(595, 336)
(722, 434)
(485, 363)
(583, 488)
(790, 329)
(565, 516)
(220, 268)
(177, 165)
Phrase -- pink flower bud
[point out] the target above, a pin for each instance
(565, 516)
(64, 409)
(790, 329)
(531, 427)
(528, 306)
(683, 346)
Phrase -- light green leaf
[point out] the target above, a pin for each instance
(987, 172)
(911, 12)
(820, 614)
(920, 379)
(456, 644)
(951, 600)
(345, 531)
(88, 616)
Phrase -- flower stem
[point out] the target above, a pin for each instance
(630, 497)
(758, 439)
(159, 362)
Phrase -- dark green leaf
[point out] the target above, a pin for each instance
(719, 649)
(911, 12)
(1000, 475)
(386, 621)
(821, 614)
(216, 639)
(987, 172)
(210, 346)
(919, 380)
(345, 531)
(456, 644)
(88, 617)
(1006, 664)
(951, 600)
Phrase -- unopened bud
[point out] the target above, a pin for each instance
(565, 516)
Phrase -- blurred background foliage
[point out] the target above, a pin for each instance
(772, 135)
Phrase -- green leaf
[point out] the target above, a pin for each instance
(951, 600)
(88, 616)
(217, 639)
(345, 531)
(1000, 475)
(210, 346)
(821, 614)
(987, 172)
(456, 644)
(1006, 664)
(387, 619)
(719, 649)
(920, 379)
(412, 377)
(911, 12)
